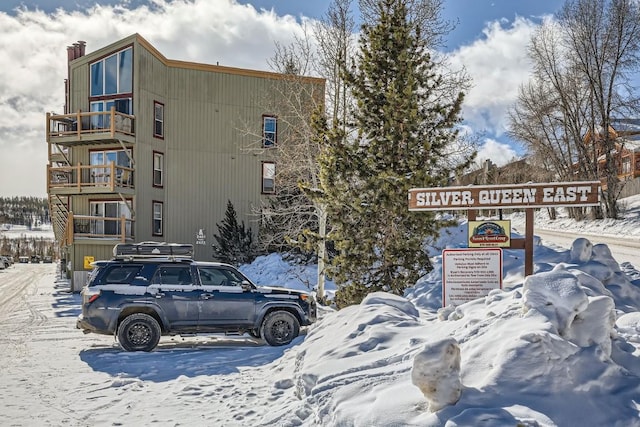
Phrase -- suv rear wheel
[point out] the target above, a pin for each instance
(139, 332)
(280, 328)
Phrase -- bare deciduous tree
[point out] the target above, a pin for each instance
(293, 216)
(581, 82)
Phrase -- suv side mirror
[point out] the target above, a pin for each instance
(246, 286)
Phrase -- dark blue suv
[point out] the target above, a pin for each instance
(153, 289)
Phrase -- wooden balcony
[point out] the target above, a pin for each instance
(90, 128)
(90, 179)
(97, 229)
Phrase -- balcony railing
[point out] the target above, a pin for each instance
(90, 127)
(108, 178)
(86, 227)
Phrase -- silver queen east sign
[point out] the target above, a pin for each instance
(538, 195)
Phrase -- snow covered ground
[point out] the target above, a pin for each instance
(17, 231)
(561, 348)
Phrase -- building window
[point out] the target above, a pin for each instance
(269, 131)
(113, 75)
(112, 212)
(158, 119)
(158, 168)
(120, 158)
(268, 177)
(157, 219)
(103, 121)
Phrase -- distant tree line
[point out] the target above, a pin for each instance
(25, 211)
(28, 212)
(27, 246)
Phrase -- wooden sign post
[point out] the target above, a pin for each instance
(509, 196)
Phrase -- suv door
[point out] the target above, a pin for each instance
(177, 295)
(224, 303)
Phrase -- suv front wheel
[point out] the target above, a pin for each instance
(139, 332)
(280, 328)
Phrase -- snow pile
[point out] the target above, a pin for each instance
(436, 372)
(544, 353)
(272, 270)
(582, 320)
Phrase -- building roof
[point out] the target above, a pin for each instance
(628, 129)
(201, 66)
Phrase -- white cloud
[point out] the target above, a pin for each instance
(498, 64)
(497, 152)
(33, 45)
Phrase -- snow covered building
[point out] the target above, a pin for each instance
(151, 149)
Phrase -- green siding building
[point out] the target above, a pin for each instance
(151, 149)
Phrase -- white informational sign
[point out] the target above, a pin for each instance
(201, 237)
(468, 274)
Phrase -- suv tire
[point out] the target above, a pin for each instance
(139, 332)
(280, 328)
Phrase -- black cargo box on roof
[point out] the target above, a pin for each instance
(152, 249)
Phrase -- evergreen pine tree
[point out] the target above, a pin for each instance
(404, 125)
(234, 244)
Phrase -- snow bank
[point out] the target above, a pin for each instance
(272, 270)
(486, 361)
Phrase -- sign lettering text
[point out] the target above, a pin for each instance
(505, 196)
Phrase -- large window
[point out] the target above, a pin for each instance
(157, 218)
(269, 131)
(158, 119)
(158, 169)
(106, 157)
(113, 75)
(112, 211)
(268, 177)
(103, 121)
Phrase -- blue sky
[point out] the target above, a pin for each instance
(471, 15)
(489, 42)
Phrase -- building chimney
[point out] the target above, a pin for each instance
(82, 46)
(70, 54)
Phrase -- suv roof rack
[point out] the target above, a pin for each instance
(152, 250)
